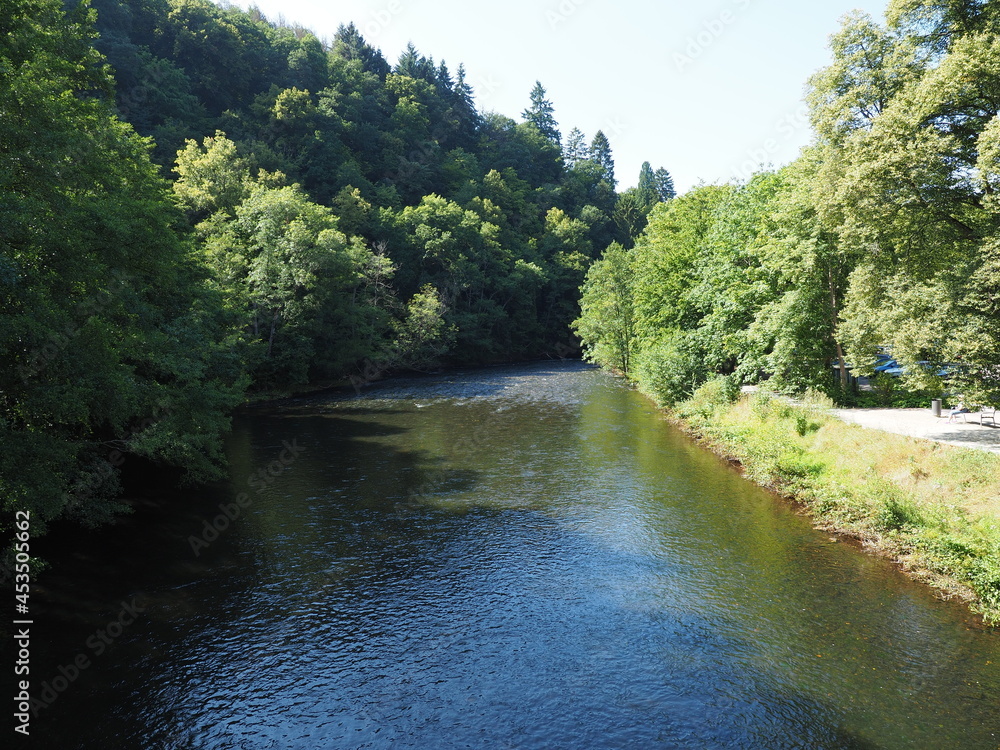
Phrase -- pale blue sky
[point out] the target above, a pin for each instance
(708, 90)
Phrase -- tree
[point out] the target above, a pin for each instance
(522, 146)
(290, 276)
(630, 215)
(797, 336)
(212, 177)
(671, 354)
(458, 253)
(411, 63)
(909, 191)
(112, 338)
(576, 149)
(664, 185)
(348, 44)
(871, 65)
(600, 154)
(540, 114)
(648, 193)
(607, 324)
(466, 115)
(307, 65)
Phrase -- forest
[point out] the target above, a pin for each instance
(879, 241)
(202, 207)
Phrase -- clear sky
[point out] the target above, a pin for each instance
(709, 89)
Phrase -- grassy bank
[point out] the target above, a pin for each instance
(933, 508)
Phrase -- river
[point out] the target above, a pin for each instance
(516, 557)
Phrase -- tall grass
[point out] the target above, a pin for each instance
(933, 508)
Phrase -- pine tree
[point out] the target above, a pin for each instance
(576, 148)
(540, 114)
(600, 154)
(349, 44)
(467, 115)
(647, 192)
(664, 185)
(443, 79)
(409, 62)
(463, 89)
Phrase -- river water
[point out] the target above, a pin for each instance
(521, 557)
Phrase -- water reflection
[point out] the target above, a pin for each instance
(521, 557)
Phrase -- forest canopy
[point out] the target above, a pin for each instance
(201, 206)
(879, 241)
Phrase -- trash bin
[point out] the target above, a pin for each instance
(936, 407)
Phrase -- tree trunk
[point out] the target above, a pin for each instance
(270, 339)
(834, 315)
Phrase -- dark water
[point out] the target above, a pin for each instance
(512, 558)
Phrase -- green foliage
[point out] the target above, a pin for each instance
(671, 369)
(881, 235)
(600, 154)
(606, 325)
(329, 215)
(895, 514)
(424, 335)
(370, 141)
(707, 399)
(664, 184)
(115, 344)
(540, 114)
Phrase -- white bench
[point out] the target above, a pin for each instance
(988, 413)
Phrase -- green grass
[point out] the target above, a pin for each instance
(933, 508)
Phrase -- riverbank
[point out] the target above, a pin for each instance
(931, 507)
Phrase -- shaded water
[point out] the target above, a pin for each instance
(512, 558)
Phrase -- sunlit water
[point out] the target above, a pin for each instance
(521, 557)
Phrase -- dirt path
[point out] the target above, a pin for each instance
(921, 423)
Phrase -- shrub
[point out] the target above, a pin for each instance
(719, 392)
(893, 511)
(672, 370)
(760, 405)
(816, 400)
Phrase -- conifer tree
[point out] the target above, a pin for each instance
(350, 45)
(600, 154)
(540, 114)
(647, 192)
(576, 148)
(664, 185)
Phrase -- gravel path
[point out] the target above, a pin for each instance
(921, 423)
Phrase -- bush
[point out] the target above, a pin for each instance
(985, 577)
(803, 426)
(817, 400)
(893, 511)
(717, 392)
(760, 404)
(672, 370)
